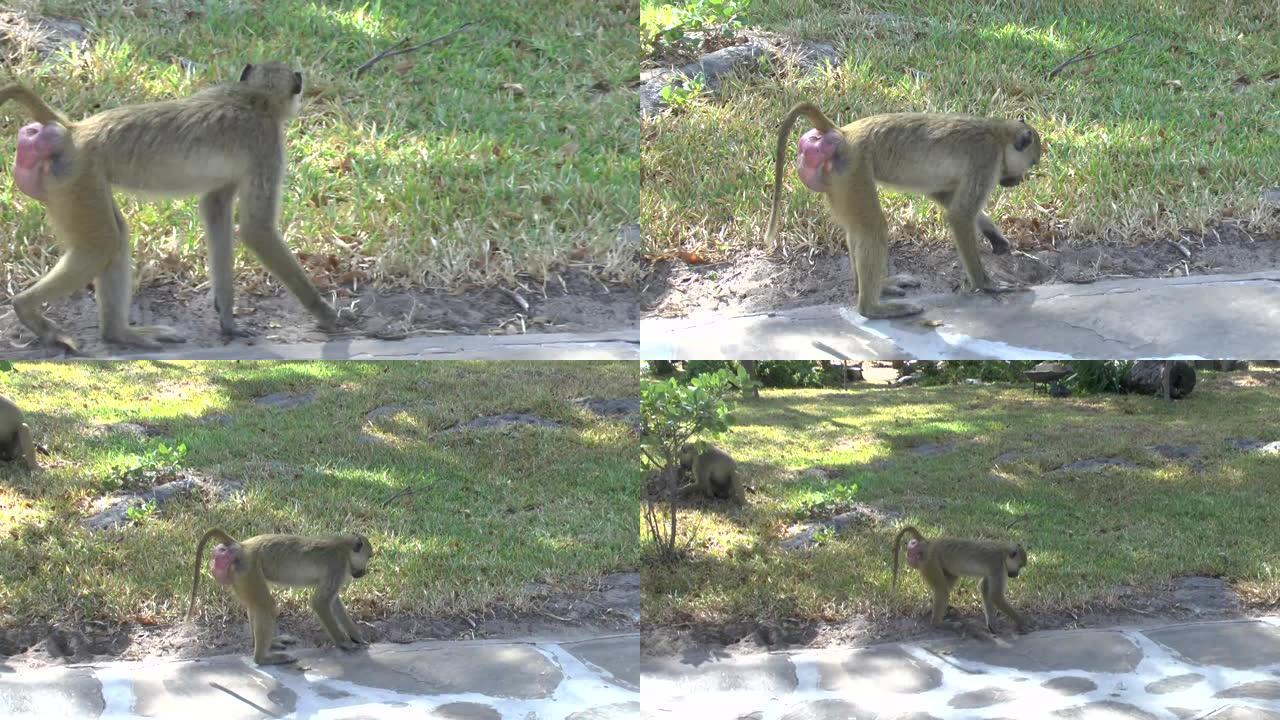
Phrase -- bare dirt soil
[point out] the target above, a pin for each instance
(757, 281)
(612, 605)
(1183, 599)
(573, 301)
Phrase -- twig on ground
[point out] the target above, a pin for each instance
(401, 49)
(1087, 54)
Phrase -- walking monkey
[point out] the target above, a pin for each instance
(325, 564)
(222, 143)
(954, 159)
(943, 561)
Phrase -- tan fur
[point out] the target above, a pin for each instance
(946, 560)
(715, 474)
(325, 564)
(956, 160)
(220, 143)
(15, 436)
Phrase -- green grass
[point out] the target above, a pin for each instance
(1087, 533)
(491, 510)
(1143, 142)
(426, 171)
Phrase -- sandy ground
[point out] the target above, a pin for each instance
(578, 304)
(611, 605)
(757, 281)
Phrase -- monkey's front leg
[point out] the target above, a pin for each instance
(115, 288)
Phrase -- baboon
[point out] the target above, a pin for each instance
(955, 160)
(15, 436)
(943, 561)
(715, 474)
(325, 564)
(222, 143)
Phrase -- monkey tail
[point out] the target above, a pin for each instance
(823, 124)
(40, 111)
(221, 537)
(897, 543)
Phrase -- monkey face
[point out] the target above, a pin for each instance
(1014, 561)
(361, 552)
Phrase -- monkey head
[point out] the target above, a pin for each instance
(915, 552)
(688, 453)
(1014, 560)
(43, 152)
(281, 82)
(814, 157)
(361, 551)
(1020, 156)
(225, 563)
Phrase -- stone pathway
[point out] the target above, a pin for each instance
(1203, 316)
(1217, 670)
(595, 679)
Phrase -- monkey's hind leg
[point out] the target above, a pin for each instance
(115, 289)
(857, 206)
(73, 271)
(256, 597)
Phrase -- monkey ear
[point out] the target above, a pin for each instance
(297, 83)
(1021, 142)
(244, 74)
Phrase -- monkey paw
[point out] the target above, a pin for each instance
(890, 310)
(276, 658)
(896, 285)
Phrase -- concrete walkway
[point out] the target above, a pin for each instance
(595, 679)
(1221, 670)
(619, 345)
(1205, 316)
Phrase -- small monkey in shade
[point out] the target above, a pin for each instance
(15, 436)
(715, 474)
(325, 564)
(225, 143)
(943, 561)
(956, 160)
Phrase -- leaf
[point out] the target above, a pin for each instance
(514, 88)
(691, 257)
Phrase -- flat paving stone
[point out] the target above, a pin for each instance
(1262, 690)
(466, 711)
(883, 668)
(507, 671)
(617, 711)
(618, 656)
(57, 693)
(1108, 709)
(1089, 650)
(828, 710)
(1235, 645)
(1068, 685)
(1239, 712)
(771, 673)
(1174, 684)
(223, 687)
(985, 697)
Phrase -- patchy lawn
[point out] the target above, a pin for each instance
(1168, 137)
(1180, 498)
(505, 155)
(465, 522)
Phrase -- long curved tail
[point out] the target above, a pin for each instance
(897, 543)
(39, 110)
(823, 124)
(221, 537)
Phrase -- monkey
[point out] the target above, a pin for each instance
(942, 561)
(955, 160)
(221, 143)
(325, 564)
(715, 474)
(15, 436)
